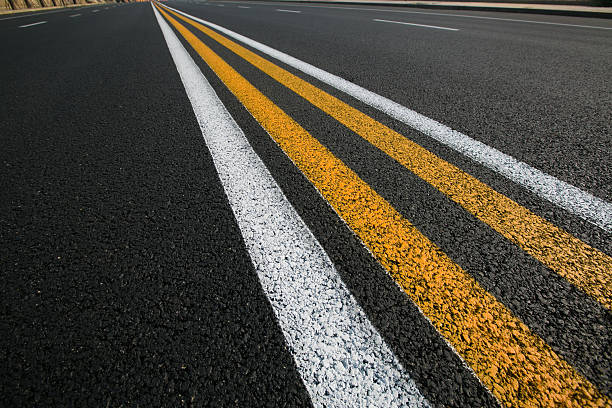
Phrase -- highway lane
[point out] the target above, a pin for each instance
(472, 72)
(125, 278)
(414, 69)
(513, 275)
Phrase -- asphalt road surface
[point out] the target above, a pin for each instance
(283, 204)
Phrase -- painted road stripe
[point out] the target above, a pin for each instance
(288, 11)
(95, 11)
(514, 20)
(342, 359)
(518, 367)
(418, 25)
(560, 193)
(74, 15)
(585, 267)
(245, 7)
(33, 24)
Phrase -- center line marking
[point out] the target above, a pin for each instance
(329, 335)
(74, 15)
(582, 265)
(578, 202)
(33, 24)
(288, 11)
(418, 25)
(494, 343)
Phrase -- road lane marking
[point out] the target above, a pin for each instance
(585, 267)
(449, 15)
(33, 24)
(288, 11)
(74, 15)
(245, 7)
(558, 192)
(418, 25)
(517, 366)
(95, 11)
(324, 326)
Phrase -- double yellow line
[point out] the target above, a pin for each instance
(517, 366)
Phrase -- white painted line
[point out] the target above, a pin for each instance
(418, 25)
(572, 199)
(288, 11)
(95, 11)
(448, 15)
(243, 7)
(33, 24)
(342, 359)
(74, 15)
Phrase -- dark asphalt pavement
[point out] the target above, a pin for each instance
(125, 278)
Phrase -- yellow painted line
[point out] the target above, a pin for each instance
(518, 367)
(584, 266)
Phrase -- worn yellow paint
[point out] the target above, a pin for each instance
(518, 367)
(584, 266)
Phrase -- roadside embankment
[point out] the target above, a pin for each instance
(17, 6)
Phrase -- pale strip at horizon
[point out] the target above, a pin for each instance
(341, 358)
(572, 199)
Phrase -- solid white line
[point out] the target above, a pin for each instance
(243, 7)
(74, 15)
(33, 24)
(418, 25)
(95, 11)
(570, 198)
(288, 11)
(445, 14)
(342, 359)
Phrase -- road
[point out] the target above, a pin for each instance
(281, 204)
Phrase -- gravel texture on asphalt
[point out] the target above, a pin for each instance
(125, 280)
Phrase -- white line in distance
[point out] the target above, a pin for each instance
(395, 10)
(33, 24)
(418, 25)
